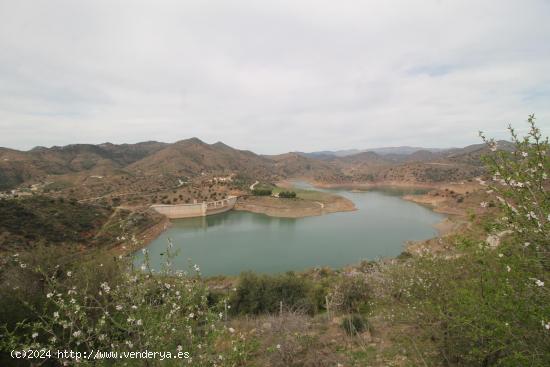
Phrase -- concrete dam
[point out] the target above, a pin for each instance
(196, 210)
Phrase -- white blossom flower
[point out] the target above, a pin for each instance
(69, 273)
(197, 268)
(23, 265)
(278, 346)
(34, 335)
(508, 268)
(179, 348)
(139, 322)
(231, 330)
(118, 307)
(77, 333)
(49, 295)
(539, 282)
(56, 314)
(524, 154)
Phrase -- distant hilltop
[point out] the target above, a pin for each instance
(381, 151)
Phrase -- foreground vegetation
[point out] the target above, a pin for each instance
(480, 303)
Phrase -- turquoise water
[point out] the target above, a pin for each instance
(232, 242)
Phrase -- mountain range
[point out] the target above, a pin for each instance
(193, 157)
(402, 150)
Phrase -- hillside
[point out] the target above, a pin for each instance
(417, 167)
(153, 171)
(29, 221)
(295, 164)
(38, 221)
(17, 167)
(193, 157)
(84, 170)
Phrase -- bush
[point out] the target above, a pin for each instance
(354, 324)
(287, 194)
(490, 306)
(351, 294)
(81, 309)
(262, 192)
(258, 294)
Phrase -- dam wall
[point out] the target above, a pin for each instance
(196, 210)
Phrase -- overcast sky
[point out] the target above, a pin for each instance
(271, 76)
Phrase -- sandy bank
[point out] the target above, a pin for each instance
(438, 204)
(459, 187)
(361, 186)
(293, 208)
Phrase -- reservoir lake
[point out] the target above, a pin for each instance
(237, 241)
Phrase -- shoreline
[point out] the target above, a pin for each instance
(301, 208)
(453, 221)
(144, 238)
(257, 205)
(373, 185)
(293, 208)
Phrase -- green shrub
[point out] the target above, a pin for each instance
(287, 194)
(262, 192)
(257, 294)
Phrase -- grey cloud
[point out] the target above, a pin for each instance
(271, 76)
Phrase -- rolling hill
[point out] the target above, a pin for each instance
(124, 164)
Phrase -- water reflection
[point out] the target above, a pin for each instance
(232, 242)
